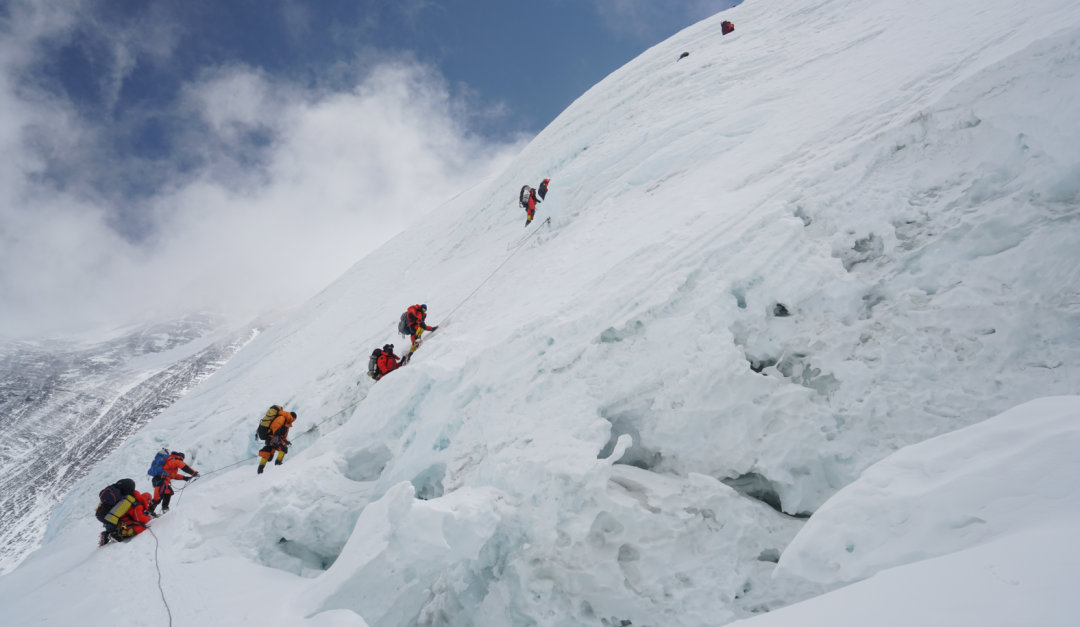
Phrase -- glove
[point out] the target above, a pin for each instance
(196, 474)
(436, 328)
(275, 441)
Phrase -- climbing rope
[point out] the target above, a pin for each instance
(229, 466)
(313, 427)
(547, 221)
(181, 490)
(157, 565)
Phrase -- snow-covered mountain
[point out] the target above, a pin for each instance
(68, 403)
(845, 229)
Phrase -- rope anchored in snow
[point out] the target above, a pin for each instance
(157, 565)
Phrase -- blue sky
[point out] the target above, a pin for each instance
(152, 130)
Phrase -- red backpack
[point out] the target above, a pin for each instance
(726, 27)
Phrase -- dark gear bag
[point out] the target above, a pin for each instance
(372, 363)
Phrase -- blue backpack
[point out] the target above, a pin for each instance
(158, 466)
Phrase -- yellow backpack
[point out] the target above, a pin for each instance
(263, 431)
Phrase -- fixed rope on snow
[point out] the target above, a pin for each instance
(157, 565)
(546, 221)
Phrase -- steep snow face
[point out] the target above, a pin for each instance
(843, 229)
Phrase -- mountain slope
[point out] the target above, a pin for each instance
(841, 230)
(67, 405)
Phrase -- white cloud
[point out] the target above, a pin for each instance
(264, 223)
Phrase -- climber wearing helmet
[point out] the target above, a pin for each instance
(163, 482)
(413, 324)
(387, 362)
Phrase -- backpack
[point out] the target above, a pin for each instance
(263, 431)
(373, 362)
(109, 497)
(402, 326)
(523, 197)
(726, 27)
(158, 466)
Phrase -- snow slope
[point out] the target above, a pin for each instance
(844, 229)
(977, 525)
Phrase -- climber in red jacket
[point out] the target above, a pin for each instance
(387, 363)
(163, 483)
(413, 324)
(528, 200)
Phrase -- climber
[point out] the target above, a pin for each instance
(413, 325)
(682, 56)
(726, 27)
(373, 363)
(527, 199)
(122, 510)
(387, 362)
(277, 438)
(163, 482)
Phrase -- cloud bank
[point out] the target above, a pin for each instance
(279, 186)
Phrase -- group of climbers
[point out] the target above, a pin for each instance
(411, 326)
(125, 512)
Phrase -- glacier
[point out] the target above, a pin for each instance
(843, 232)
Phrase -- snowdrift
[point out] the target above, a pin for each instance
(975, 527)
(846, 228)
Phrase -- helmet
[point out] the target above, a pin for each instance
(423, 307)
(178, 454)
(127, 486)
(388, 348)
